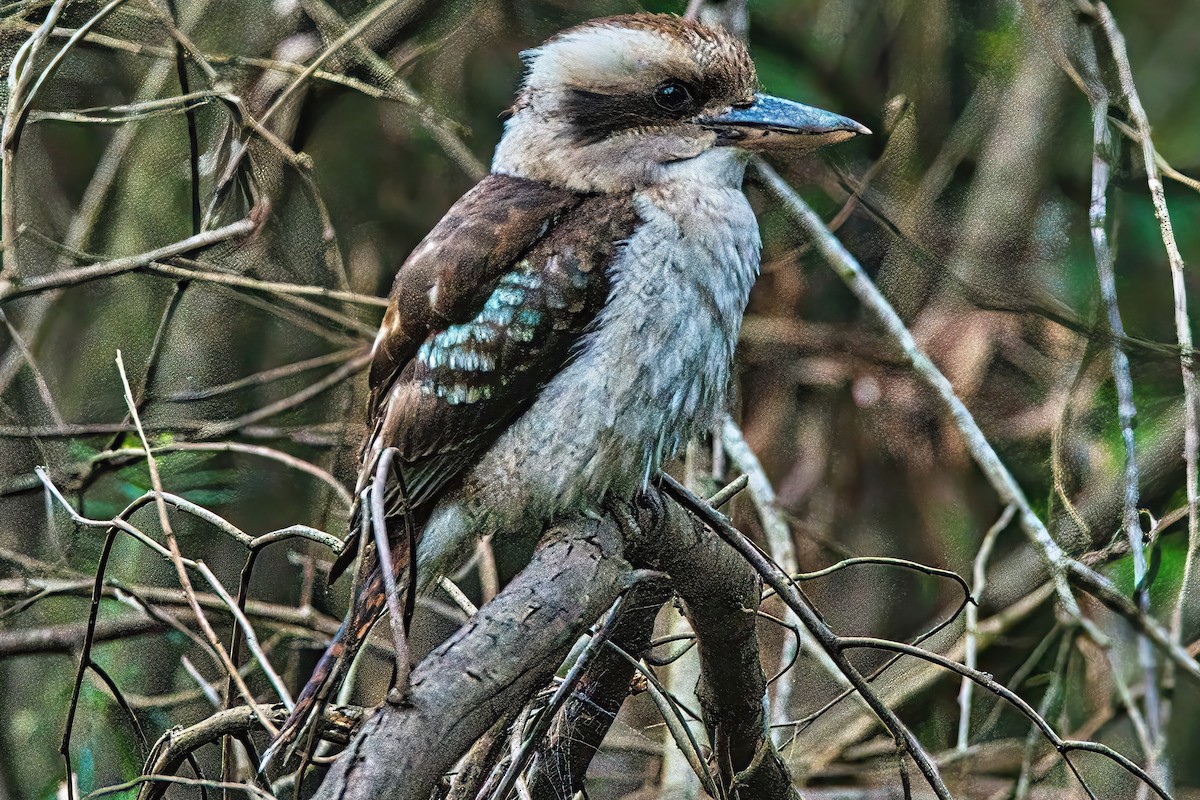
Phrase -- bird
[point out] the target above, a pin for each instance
(571, 322)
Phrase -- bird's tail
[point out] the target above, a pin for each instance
(369, 604)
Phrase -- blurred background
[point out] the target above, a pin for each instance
(969, 208)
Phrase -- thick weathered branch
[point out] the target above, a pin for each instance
(791, 594)
(721, 594)
(494, 663)
(510, 649)
(579, 729)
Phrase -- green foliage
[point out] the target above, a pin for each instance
(198, 477)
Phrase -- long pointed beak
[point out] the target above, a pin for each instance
(771, 122)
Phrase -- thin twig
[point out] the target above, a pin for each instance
(677, 725)
(1123, 380)
(51, 67)
(437, 126)
(729, 491)
(783, 552)
(1183, 325)
(351, 33)
(236, 60)
(1103, 590)
(173, 545)
(129, 112)
(1051, 700)
(458, 596)
(396, 617)
(206, 688)
(978, 585)
(89, 210)
(78, 275)
(261, 451)
(1163, 164)
(1063, 746)
(260, 378)
(38, 378)
(20, 73)
(298, 622)
(1002, 480)
(251, 639)
(334, 378)
(561, 694)
(272, 287)
(967, 602)
(118, 788)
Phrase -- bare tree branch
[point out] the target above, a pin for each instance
(457, 692)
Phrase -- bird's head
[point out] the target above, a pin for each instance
(638, 99)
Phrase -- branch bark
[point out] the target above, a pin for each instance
(336, 725)
(721, 594)
(579, 729)
(493, 664)
(508, 651)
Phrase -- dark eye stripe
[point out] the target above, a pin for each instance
(597, 116)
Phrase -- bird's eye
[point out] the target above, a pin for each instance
(672, 96)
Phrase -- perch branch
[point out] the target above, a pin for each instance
(495, 662)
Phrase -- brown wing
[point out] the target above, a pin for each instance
(483, 314)
(486, 311)
(452, 271)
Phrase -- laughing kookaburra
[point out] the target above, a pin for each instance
(571, 320)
